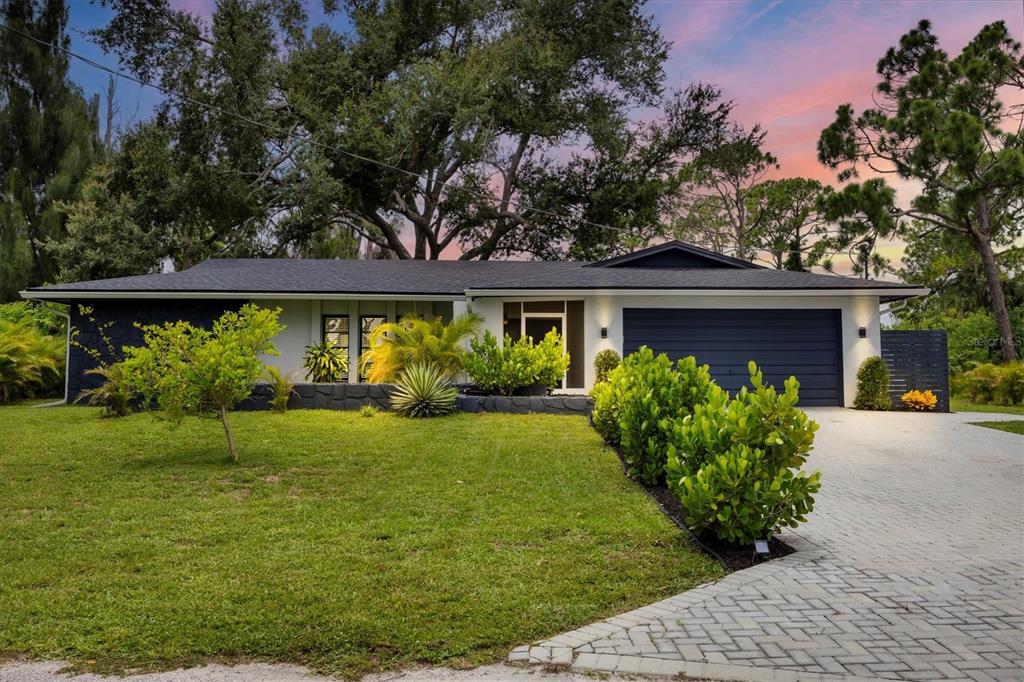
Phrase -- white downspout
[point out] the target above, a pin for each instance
(67, 355)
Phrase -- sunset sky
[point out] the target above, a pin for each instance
(787, 64)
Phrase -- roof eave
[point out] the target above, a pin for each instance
(898, 292)
(87, 294)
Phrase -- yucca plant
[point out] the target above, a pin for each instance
(326, 362)
(394, 346)
(423, 390)
(282, 386)
(113, 395)
(29, 360)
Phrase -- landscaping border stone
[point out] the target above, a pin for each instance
(354, 396)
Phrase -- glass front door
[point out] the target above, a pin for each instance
(538, 327)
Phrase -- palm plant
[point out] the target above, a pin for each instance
(282, 385)
(114, 395)
(29, 360)
(422, 390)
(326, 362)
(394, 346)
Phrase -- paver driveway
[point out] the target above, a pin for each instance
(910, 567)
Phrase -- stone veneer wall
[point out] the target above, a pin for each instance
(353, 396)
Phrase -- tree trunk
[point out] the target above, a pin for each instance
(227, 433)
(995, 286)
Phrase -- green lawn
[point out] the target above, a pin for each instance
(347, 543)
(1010, 426)
(960, 405)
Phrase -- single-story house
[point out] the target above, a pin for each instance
(676, 298)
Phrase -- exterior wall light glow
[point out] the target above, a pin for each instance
(604, 332)
(862, 332)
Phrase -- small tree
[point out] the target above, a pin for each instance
(873, 385)
(187, 370)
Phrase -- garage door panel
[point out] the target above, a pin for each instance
(784, 343)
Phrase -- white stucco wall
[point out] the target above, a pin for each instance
(606, 311)
(855, 312)
(302, 320)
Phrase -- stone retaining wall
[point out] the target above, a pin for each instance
(354, 396)
(548, 404)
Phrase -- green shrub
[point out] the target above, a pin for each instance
(604, 362)
(423, 390)
(988, 383)
(393, 346)
(735, 463)
(31, 362)
(503, 369)
(368, 411)
(325, 362)
(650, 392)
(873, 385)
(43, 318)
(114, 395)
(282, 387)
(605, 415)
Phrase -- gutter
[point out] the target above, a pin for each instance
(67, 354)
(68, 294)
(819, 292)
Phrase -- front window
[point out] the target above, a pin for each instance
(367, 323)
(335, 329)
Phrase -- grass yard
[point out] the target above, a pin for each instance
(1009, 426)
(960, 405)
(347, 543)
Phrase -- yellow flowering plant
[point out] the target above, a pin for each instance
(920, 401)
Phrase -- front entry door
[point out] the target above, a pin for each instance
(539, 326)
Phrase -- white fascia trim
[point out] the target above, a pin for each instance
(254, 296)
(746, 293)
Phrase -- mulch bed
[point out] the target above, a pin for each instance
(732, 557)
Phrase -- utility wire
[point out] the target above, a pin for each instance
(299, 138)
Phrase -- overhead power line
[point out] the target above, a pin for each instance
(299, 138)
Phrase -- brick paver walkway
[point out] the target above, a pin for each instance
(911, 567)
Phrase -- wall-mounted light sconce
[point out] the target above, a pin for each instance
(604, 332)
(862, 332)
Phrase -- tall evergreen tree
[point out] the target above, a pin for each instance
(941, 122)
(48, 138)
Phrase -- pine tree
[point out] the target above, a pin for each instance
(48, 138)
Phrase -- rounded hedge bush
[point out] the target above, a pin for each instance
(604, 362)
(873, 385)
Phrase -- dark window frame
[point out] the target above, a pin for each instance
(360, 350)
(348, 348)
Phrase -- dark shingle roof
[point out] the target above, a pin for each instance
(447, 278)
(690, 278)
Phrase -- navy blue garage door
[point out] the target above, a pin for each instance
(804, 343)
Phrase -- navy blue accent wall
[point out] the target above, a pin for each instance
(117, 320)
(784, 343)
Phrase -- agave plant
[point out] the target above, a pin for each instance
(29, 360)
(423, 390)
(114, 395)
(394, 346)
(326, 362)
